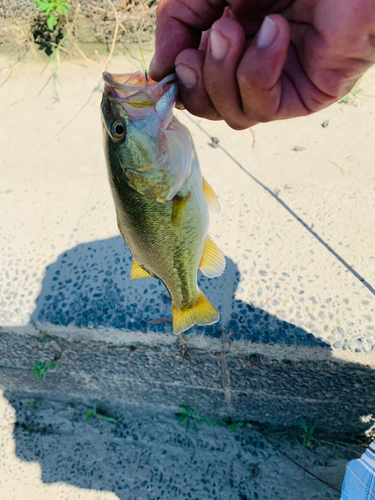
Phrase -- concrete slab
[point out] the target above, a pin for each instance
(296, 337)
(48, 450)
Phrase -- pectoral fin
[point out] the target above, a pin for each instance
(138, 272)
(213, 261)
(179, 205)
(211, 198)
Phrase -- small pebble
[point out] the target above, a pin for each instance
(366, 347)
(325, 124)
(215, 140)
(298, 148)
(338, 345)
(353, 345)
(213, 144)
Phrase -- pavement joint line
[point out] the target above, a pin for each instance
(301, 221)
(225, 376)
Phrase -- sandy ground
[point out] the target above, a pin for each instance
(52, 165)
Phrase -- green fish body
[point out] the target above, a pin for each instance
(160, 196)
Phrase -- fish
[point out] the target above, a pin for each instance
(161, 199)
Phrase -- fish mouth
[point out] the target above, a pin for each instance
(136, 89)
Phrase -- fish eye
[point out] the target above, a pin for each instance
(118, 130)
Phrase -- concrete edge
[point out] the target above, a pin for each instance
(243, 348)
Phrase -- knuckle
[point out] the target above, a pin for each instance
(245, 82)
(257, 114)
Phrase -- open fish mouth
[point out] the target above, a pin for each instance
(136, 89)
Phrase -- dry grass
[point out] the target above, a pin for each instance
(96, 23)
(136, 20)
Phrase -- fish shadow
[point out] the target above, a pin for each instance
(90, 286)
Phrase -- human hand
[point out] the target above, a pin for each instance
(306, 55)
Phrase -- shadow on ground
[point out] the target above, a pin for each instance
(90, 286)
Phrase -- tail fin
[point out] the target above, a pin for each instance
(201, 313)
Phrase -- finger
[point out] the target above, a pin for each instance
(258, 8)
(266, 93)
(179, 25)
(193, 95)
(225, 48)
(334, 62)
(310, 95)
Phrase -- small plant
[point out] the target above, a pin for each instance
(308, 434)
(32, 403)
(52, 8)
(354, 94)
(26, 429)
(188, 415)
(94, 413)
(232, 425)
(42, 367)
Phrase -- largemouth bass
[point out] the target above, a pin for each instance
(160, 196)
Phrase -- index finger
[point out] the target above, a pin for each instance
(180, 23)
(179, 26)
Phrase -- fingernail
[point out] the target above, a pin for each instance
(219, 45)
(267, 33)
(187, 76)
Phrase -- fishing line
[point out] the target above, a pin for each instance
(283, 204)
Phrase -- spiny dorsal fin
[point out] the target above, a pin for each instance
(211, 198)
(201, 313)
(138, 272)
(213, 261)
(179, 205)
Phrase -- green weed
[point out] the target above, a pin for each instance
(308, 434)
(53, 8)
(190, 417)
(94, 413)
(32, 403)
(232, 425)
(42, 367)
(26, 429)
(354, 94)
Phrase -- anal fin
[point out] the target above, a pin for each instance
(138, 272)
(211, 198)
(212, 263)
(201, 313)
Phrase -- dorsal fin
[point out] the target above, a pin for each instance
(138, 272)
(212, 263)
(211, 198)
